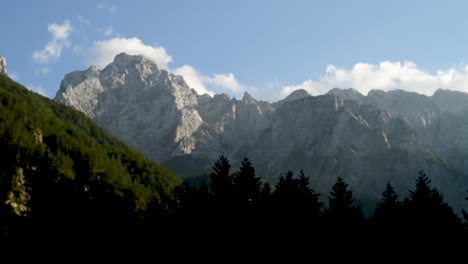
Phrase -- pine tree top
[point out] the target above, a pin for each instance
(341, 197)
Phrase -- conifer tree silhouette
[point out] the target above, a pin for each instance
(342, 215)
(389, 205)
(341, 199)
(427, 214)
(221, 183)
(246, 183)
(387, 218)
(246, 188)
(310, 198)
(294, 198)
(465, 214)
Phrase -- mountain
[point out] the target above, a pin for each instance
(57, 165)
(439, 120)
(348, 94)
(367, 140)
(295, 95)
(135, 100)
(3, 66)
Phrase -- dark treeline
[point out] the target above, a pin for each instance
(63, 181)
(243, 202)
(237, 205)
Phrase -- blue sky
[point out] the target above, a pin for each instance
(267, 48)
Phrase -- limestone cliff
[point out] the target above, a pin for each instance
(368, 140)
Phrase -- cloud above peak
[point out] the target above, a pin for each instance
(59, 41)
(205, 85)
(385, 76)
(101, 53)
(194, 79)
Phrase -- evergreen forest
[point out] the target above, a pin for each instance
(62, 178)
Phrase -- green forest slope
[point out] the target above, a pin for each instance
(58, 165)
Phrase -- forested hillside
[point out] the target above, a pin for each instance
(58, 166)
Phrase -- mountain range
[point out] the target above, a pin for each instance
(368, 140)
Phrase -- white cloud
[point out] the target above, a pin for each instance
(103, 52)
(108, 31)
(193, 78)
(225, 81)
(314, 88)
(37, 88)
(112, 9)
(204, 84)
(59, 40)
(385, 76)
(83, 20)
(60, 32)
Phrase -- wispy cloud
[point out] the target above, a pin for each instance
(112, 9)
(58, 41)
(226, 81)
(385, 76)
(204, 84)
(83, 20)
(103, 52)
(193, 78)
(108, 31)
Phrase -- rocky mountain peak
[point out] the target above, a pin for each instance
(132, 98)
(389, 134)
(3, 66)
(451, 101)
(124, 60)
(347, 94)
(295, 95)
(248, 98)
(92, 68)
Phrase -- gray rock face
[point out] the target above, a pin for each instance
(144, 106)
(348, 94)
(3, 66)
(367, 140)
(295, 95)
(439, 120)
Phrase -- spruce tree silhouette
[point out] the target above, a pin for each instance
(222, 189)
(265, 207)
(341, 199)
(221, 183)
(294, 200)
(311, 201)
(389, 205)
(465, 214)
(426, 213)
(342, 215)
(246, 188)
(286, 198)
(387, 214)
(423, 196)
